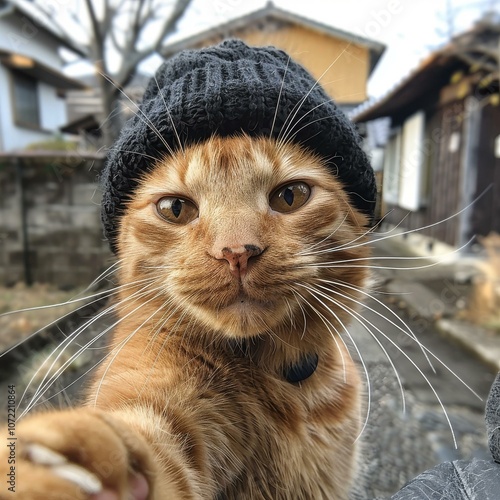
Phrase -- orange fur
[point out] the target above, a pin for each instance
(193, 396)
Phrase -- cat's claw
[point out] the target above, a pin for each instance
(87, 481)
(42, 455)
(60, 466)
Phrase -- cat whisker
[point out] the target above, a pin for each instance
(279, 97)
(105, 274)
(83, 375)
(166, 316)
(422, 374)
(134, 153)
(391, 258)
(290, 313)
(412, 337)
(143, 117)
(47, 381)
(124, 342)
(45, 384)
(303, 315)
(100, 296)
(299, 104)
(408, 330)
(324, 240)
(170, 118)
(328, 324)
(370, 230)
(157, 329)
(428, 226)
(360, 356)
(347, 263)
(363, 322)
(291, 133)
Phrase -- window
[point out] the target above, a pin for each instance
(408, 156)
(411, 174)
(25, 101)
(391, 169)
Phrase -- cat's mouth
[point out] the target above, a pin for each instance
(245, 301)
(243, 315)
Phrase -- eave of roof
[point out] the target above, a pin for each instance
(41, 21)
(270, 10)
(430, 75)
(87, 122)
(39, 71)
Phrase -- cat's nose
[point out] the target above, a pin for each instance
(238, 257)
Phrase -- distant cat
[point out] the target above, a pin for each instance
(232, 200)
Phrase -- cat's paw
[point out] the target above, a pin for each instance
(78, 454)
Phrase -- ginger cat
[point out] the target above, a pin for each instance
(229, 377)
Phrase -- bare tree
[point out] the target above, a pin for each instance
(479, 49)
(453, 12)
(117, 36)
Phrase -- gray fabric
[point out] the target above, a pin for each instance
(463, 480)
(460, 480)
(493, 420)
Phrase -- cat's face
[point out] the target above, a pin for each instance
(235, 230)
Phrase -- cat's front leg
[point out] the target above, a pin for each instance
(83, 454)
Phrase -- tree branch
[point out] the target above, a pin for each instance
(171, 25)
(94, 22)
(134, 57)
(51, 18)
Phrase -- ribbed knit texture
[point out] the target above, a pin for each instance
(224, 90)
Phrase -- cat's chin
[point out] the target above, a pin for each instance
(245, 317)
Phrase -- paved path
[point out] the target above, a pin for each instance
(399, 445)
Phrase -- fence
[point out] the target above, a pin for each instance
(50, 230)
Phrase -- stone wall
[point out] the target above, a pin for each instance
(63, 243)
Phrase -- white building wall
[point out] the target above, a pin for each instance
(52, 108)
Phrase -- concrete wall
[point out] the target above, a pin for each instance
(62, 211)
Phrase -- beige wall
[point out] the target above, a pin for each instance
(345, 81)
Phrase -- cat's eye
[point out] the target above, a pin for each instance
(176, 210)
(290, 197)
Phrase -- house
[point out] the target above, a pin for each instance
(442, 160)
(32, 85)
(340, 60)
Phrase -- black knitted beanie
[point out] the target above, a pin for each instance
(224, 90)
